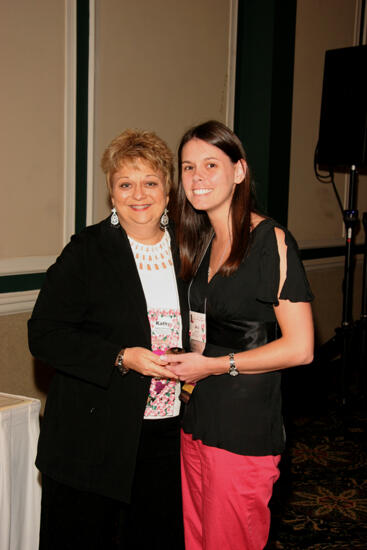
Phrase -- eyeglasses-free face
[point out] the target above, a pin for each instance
(138, 193)
(209, 177)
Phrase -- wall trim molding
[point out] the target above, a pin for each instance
(321, 264)
(25, 265)
(359, 25)
(18, 275)
(321, 243)
(82, 110)
(232, 57)
(69, 121)
(91, 88)
(264, 92)
(17, 302)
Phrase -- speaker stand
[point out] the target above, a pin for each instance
(341, 343)
(362, 323)
(350, 218)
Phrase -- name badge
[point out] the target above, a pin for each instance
(161, 325)
(197, 331)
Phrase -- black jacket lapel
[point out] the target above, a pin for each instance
(117, 251)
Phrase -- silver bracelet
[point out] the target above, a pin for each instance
(232, 365)
(120, 363)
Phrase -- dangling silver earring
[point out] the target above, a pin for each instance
(164, 219)
(114, 217)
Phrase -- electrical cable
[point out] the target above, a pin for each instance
(327, 178)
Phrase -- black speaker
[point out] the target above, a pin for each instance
(343, 120)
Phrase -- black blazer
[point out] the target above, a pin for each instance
(91, 305)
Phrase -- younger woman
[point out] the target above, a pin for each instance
(250, 316)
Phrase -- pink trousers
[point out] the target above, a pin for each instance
(225, 497)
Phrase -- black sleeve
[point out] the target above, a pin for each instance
(296, 287)
(60, 331)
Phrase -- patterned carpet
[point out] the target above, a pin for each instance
(320, 501)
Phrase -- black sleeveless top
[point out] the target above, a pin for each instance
(242, 414)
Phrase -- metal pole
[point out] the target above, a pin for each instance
(350, 217)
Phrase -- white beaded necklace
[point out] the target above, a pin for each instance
(152, 257)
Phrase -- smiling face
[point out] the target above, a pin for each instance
(138, 193)
(209, 177)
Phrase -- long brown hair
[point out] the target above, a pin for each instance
(194, 230)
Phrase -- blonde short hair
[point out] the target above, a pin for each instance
(138, 144)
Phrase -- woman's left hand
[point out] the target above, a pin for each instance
(191, 367)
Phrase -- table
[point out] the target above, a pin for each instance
(20, 489)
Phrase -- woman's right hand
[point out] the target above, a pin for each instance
(147, 363)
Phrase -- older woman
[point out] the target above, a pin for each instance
(110, 306)
(247, 282)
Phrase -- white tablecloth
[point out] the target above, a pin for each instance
(20, 490)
